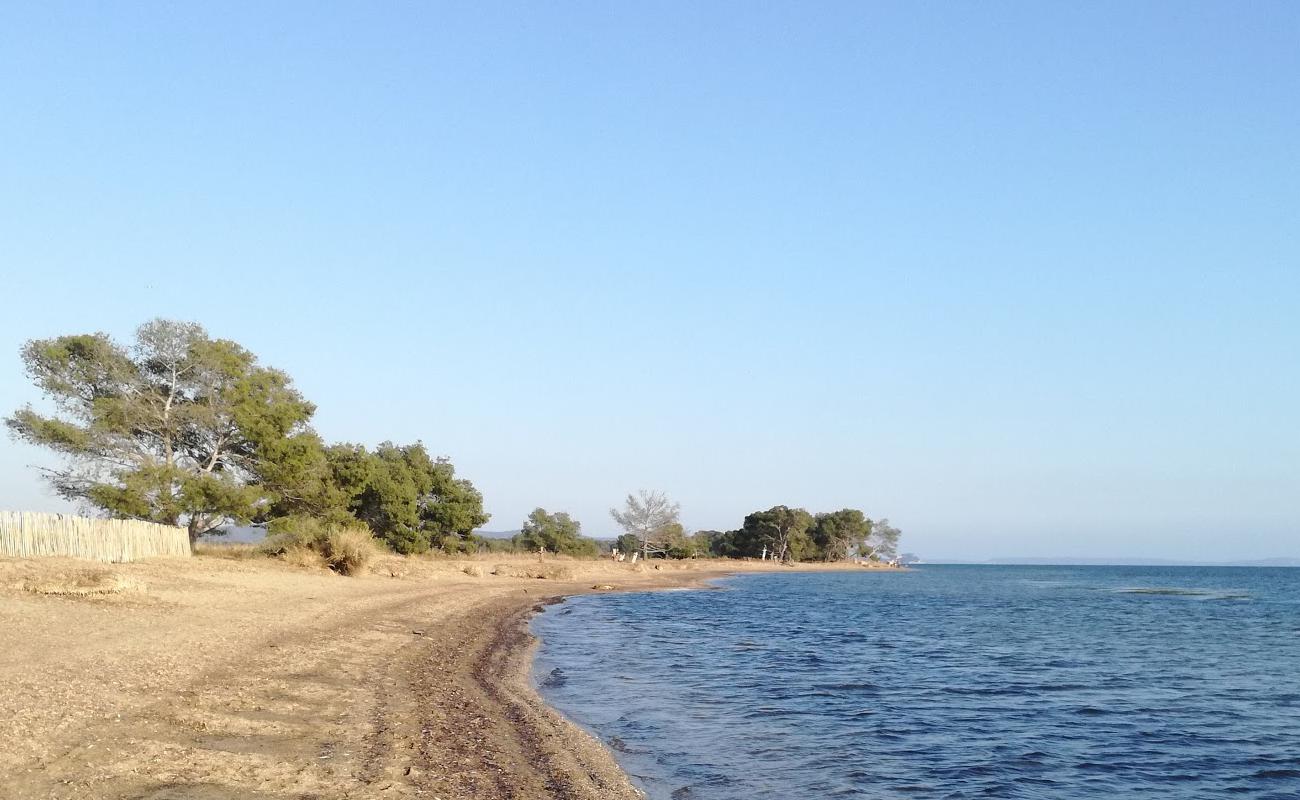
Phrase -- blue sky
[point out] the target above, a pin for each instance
(1023, 277)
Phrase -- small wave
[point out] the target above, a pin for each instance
(1277, 773)
(1176, 591)
(618, 744)
(981, 691)
(1126, 684)
(771, 711)
(863, 686)
(1030, 689)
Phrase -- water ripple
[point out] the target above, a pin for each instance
(947, 682)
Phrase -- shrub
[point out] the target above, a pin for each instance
(347, 550)
(299, 556)
(288, 532)
(310, 542)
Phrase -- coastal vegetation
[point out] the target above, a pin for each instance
(182, 429)
(651, 526)
(345, 549)
(179, 428)
(554, 533)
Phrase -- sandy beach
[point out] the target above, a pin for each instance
(216, 679)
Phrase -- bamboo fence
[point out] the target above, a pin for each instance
(26, 534)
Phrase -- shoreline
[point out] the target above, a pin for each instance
(584, 766)
(215, 679)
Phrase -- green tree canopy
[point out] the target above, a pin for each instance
(627, 543)
(556, 533)
(178, 428)
(724, 545)
(410, 500)
(837, 534)
(781, 530)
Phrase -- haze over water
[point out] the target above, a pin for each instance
(943, 682)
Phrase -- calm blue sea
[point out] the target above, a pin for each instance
(943, 682)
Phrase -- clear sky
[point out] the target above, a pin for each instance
(1022, 277)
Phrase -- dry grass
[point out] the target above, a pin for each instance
(391, 565)
(347, 551)
(300, 556)
(541, 571)
(234, 551)
(315, 544)
(81, 582)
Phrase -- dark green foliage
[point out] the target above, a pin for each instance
(627, 544)
(672, 542)
(792, 534)
(298, 473)
(838, 534)
(780, 531)
(454, 508)
(700, 543)
(409, 500)
(694, 545)
(554, 533)
(723, 545)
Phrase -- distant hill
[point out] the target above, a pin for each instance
(1269, 562)
(497, 534)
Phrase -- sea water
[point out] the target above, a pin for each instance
(942, 682)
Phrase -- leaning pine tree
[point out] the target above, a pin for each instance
(178, 428)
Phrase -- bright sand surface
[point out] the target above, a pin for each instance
(216, 679)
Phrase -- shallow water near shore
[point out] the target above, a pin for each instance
(942, 682)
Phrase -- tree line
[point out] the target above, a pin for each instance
(182, 429)
(652, 527)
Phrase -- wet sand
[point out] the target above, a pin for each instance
(214, 679)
